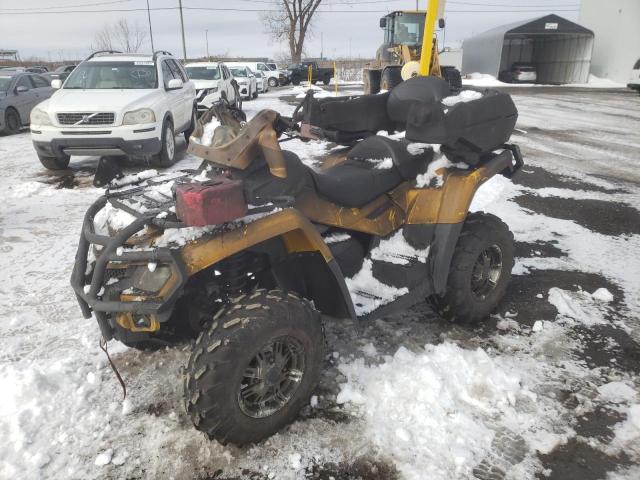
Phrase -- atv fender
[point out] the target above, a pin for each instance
(316, 272)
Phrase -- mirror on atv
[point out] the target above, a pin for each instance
(108, 169)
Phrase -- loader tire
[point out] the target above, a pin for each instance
(371, 80)
(480, 270)
(254, 366)
(391, 77)
(453, 77)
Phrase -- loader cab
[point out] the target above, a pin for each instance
(400, 28)
(403, 28)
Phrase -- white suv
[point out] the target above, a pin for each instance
(213, 81)
(273, 77)
(116, 104)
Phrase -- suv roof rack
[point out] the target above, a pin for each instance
(100, 51)
(160, 52)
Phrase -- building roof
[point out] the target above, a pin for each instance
(536, 26)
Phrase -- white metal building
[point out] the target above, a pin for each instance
(559, 49)
(616, 25)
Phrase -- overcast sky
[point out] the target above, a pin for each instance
(240, 33)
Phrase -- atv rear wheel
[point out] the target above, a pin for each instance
(254, 367)
(480, 270)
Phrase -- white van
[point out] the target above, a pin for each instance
(273, 77)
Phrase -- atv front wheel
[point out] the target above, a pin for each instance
(254, 367)
(480, 270)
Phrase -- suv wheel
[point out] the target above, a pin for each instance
(54, 163)
(167, 154)
(192, 126)
(255, 94)
(273, 82)
(254, 366)
(11, 121)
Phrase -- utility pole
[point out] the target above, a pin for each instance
(150, 30)
(321, 45)
(184, 45)
(206, 36)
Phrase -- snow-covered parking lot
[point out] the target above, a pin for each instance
(549, 387)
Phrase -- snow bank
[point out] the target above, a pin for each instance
(627, 432)
(578, 306)
(300, 91)
(430, 411)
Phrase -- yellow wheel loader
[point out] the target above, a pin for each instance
(410, 48)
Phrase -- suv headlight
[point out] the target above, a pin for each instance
(136, 117)
(39, 117)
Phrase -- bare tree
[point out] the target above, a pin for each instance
(291, 23)
(120, 36)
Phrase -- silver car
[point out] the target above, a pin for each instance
(19, 93)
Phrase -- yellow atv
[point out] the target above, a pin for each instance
(247, 253)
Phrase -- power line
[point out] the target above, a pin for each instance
(95, 4)
(231, 9)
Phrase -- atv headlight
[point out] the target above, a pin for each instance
(136, 117)
(150, 281)
(39, 117)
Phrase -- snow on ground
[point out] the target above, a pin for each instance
(412, 394)
(485, 80)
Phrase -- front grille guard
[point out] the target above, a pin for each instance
(89, 301)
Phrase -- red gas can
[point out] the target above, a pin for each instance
(215, 202)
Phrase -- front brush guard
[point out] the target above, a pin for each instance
(90, 300)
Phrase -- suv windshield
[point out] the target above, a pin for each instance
(5, 81)
(113, 75)
(203, 73)
(238, 72)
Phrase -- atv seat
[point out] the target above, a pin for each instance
(373, 167)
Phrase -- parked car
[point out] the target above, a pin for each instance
(19, 93)
(213, 81)
(274, 77)
(299, 72)
(247, 83)
(61, 72)
(520, 73)
(262, 82)
(634, 81)
(116, 104)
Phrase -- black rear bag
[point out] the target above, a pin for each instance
(467, 131)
